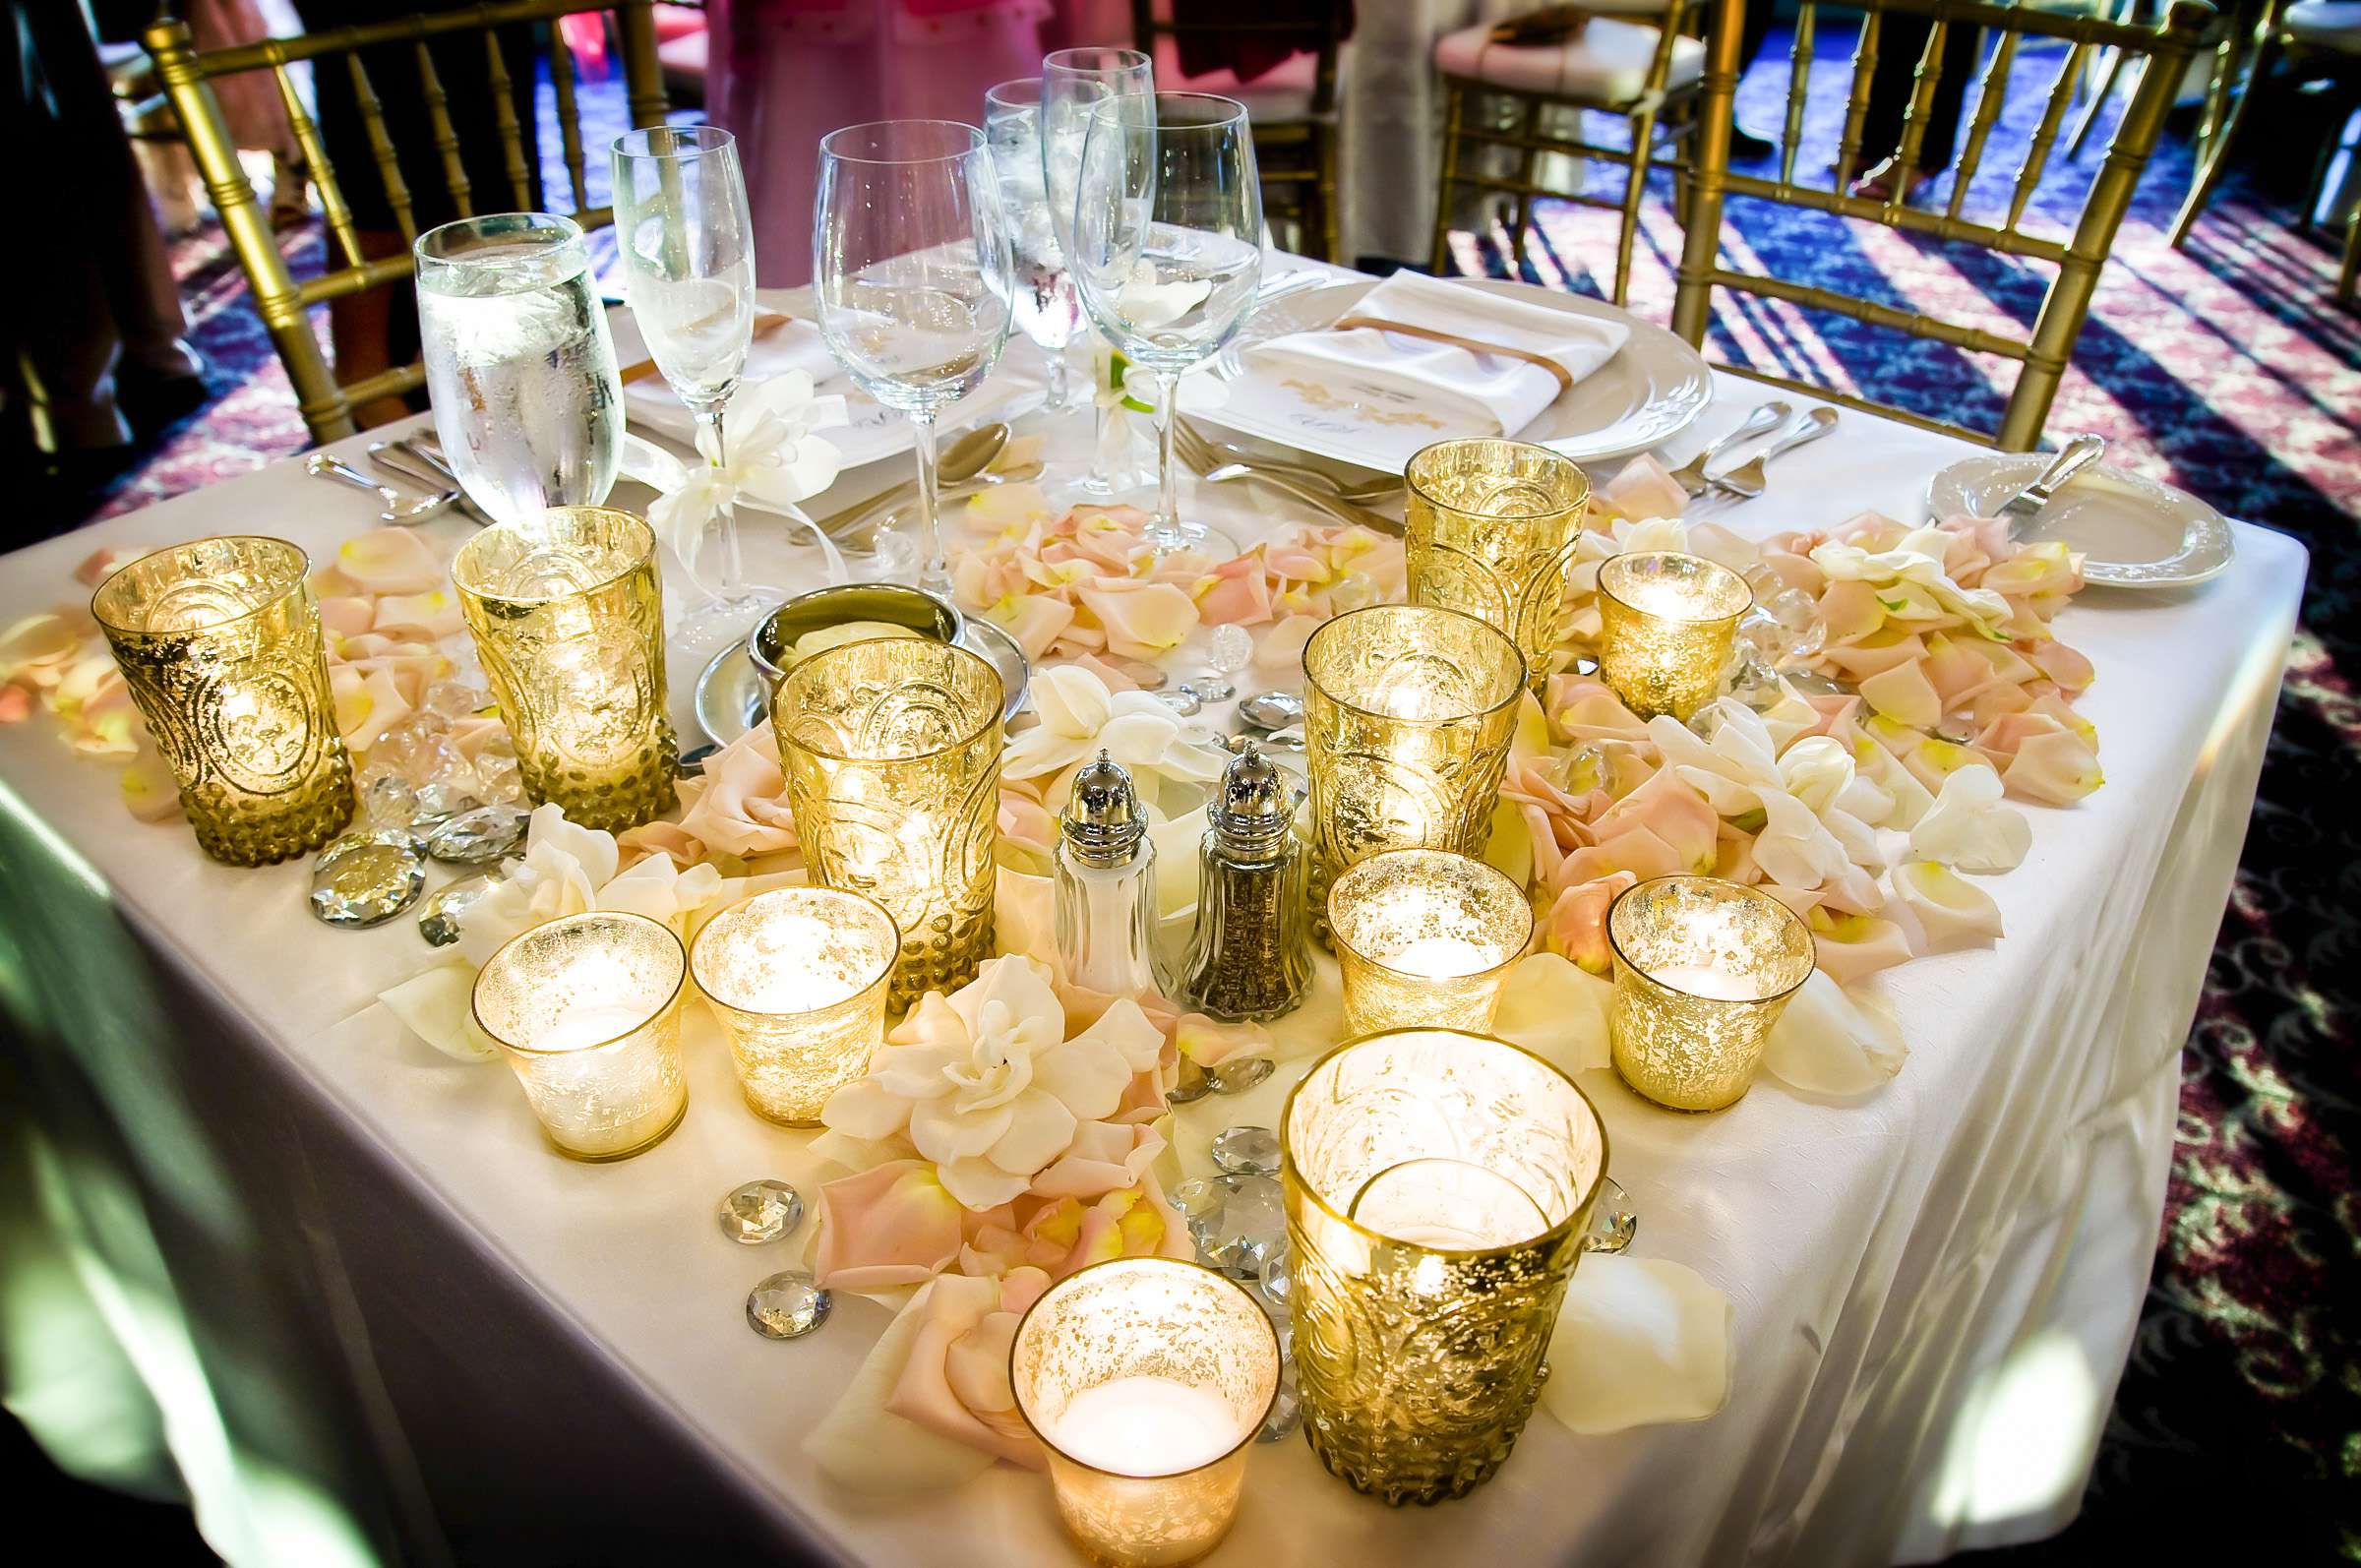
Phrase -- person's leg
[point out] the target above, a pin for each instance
(1902, 42)
(1743, 142)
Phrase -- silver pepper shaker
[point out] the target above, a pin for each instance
(1104, 884)
(1249, 955)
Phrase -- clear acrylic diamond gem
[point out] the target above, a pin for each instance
(1239, 1075)
(760, 1211)
(1287, 1411)
(439, 917)
(787, 1306)
(1192, 1083)
(1247, 1151)
(480, 836)
(367, 878)
(1240, 1236)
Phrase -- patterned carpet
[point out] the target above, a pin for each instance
(2224, 368)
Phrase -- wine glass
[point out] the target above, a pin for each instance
(1074, 82)
(689, 264)
(910, 263)
(519, 364)
(1168, 249)
(1047, 311)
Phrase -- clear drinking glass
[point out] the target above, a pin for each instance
(689, 262)
(518, 363)
(1048, 309)
(1074, 82)
(1168, 248)
(910, 259)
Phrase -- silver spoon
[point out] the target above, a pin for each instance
(964, 459)
(396, 459)
(1691, 476)
(1271, 711)
(402, 508)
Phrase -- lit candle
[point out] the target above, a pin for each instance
(1666, 622)
(1438, 1186)
(1424, 937)
(1703, 968)
(584, 1010)
(1146, 1380)
(797, 978)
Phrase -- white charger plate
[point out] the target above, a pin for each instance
(2132, 533)
(1645, 395)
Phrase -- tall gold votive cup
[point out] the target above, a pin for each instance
(585, 1010)
(1407, 712)
(218, 642)
(1492, 526)
(1438, 1190)
(1426, 938)
(891, 749)
(1703, 969)
(1667, 620)
(798, 979)
(568, 620)
(1146, 1380)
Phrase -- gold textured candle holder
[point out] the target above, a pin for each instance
(1146, 1380)
(1492, 526)
(568, 619)
(1426, 938)
(1438, 1188)
(584, 1009)
(1703, 969)
(218, 643)
(798, 979)
(1407, 712)
(1665, 625)
(891, 749)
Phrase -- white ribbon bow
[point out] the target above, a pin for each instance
(770, 457)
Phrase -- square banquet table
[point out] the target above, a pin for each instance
(372, 1313)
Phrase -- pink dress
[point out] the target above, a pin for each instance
(784, 73)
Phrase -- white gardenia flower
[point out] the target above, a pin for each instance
(1080, 717)
(769, 455)
(570, 870)
(1810, 838)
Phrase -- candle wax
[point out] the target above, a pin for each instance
(1146, 1427)
(1703, 979)
(1441, 958)
(592, 1025)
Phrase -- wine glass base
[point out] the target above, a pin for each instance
(1190, 539)
(711, 626)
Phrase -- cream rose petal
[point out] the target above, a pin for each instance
(1951, 911)
(1969, 827)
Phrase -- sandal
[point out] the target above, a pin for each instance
(1878, 184)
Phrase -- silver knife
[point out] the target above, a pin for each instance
(2078, 452)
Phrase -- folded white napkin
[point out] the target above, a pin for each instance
(1484, 393)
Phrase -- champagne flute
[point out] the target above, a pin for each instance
(910, 263)
(1074, 82)
(1047, 311)
(519, 364)
(1168, 249)
(689, 264)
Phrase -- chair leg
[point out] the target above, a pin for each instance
(1528, 168)
(1454, 105)
(1635, 189)
(2350, 274)
(1326, 149)
(2214, 145)
(2091, 111)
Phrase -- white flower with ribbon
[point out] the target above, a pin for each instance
(768, 455)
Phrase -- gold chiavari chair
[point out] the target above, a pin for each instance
(285, 303)
(1628, 57)
(1293, 109)
(2164, 52)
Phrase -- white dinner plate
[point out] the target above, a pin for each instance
(2132, 533)
(732, 698)
(1642, 397)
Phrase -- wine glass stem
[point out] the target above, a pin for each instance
(1168, 506)
(731, 566)
(936, 574)
(1060, 379)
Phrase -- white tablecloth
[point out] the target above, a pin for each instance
(375, 1316)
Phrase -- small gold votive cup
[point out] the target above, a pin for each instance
(1665, 625)
(585, 1009)
(1438, 1188)
(1491, 527)
(218, 642)
(798, 979)
(1147, 1380)
(568, 618)
(1426, 938)
(1408, 714)
(1703, 969)
(891, 748)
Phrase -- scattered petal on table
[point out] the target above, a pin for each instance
(1638, 1341)
(1831, 1042)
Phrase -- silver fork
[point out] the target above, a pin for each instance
(2076, 454)
(1691, 476)
(1746, 481)
(396, 458)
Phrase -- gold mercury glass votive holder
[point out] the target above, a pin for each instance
(568, 620)
(1426, 938)
(798, 979)
(891, 748)
(1438, 1188)
(1665, 625)
(1147, 1380)
(1407, 712)
(585, 1009)
(1491, 529)
(218, 642)
(1703, 969)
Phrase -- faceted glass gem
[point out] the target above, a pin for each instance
(760, 1211)
(787, 1306)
